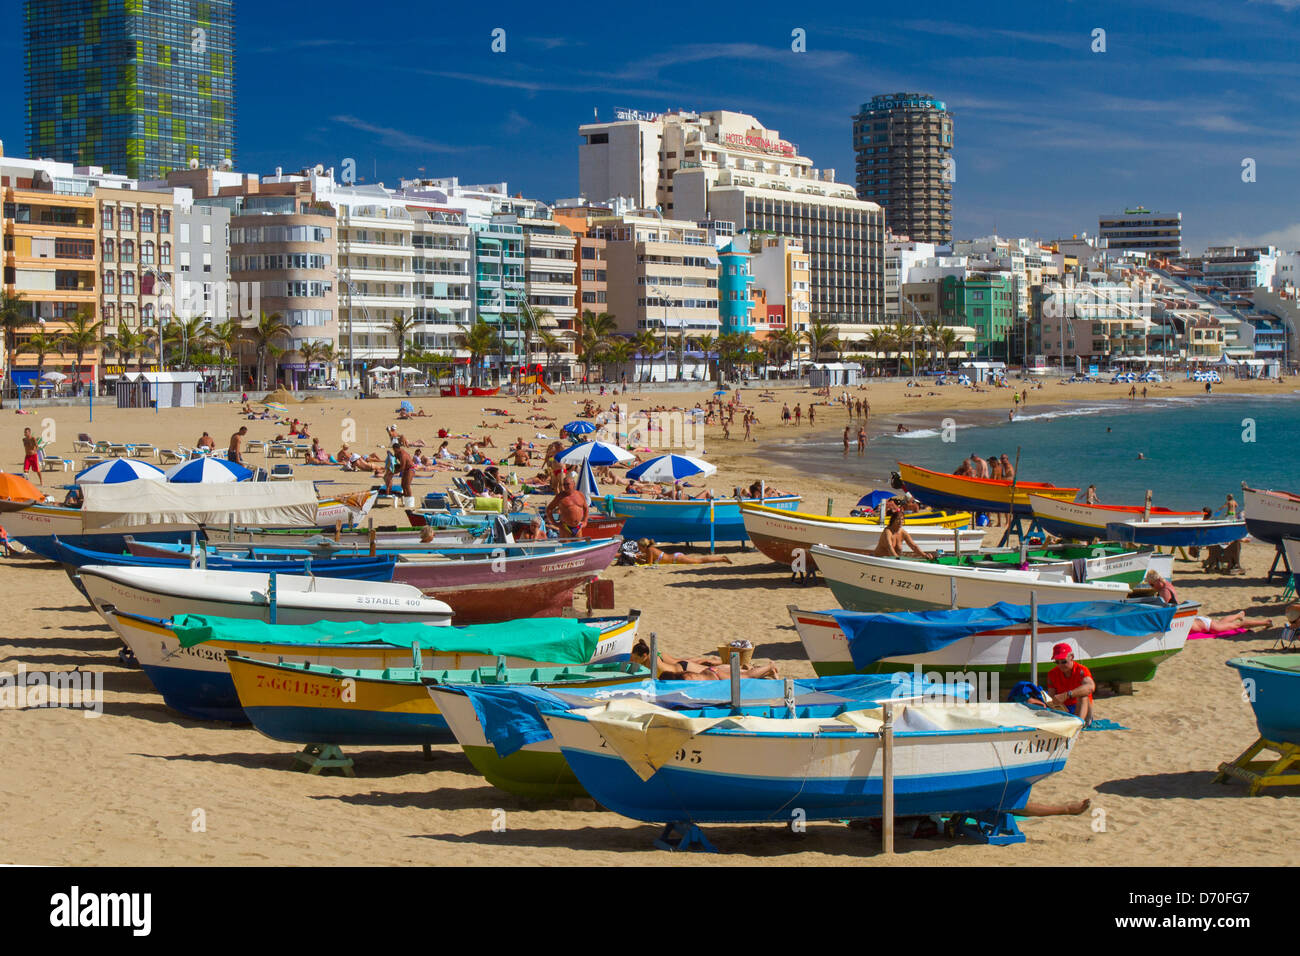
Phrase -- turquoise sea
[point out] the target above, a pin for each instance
(1194, 450)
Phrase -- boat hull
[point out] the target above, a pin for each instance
(782, 536)
(1074, 519)
(195, 681)
(1194, 533)
(1101, 563)
(462, 391)
(1274, 694)
(491, 590)
(866, 583)
(688, 522)
(1271, 516)
(960, 493)
(746, 777)
(1004, 651)
(36, 527)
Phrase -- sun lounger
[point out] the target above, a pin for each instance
(143, 450)
(282, 473)
(167, 456)
(80, 446)
(101, 447)
(119, 451)
(256, 445)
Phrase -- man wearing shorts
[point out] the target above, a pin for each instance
(31, 455)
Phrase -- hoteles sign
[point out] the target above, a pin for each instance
(642, 116)
(756, 140)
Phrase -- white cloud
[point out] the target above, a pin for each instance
(396, 138)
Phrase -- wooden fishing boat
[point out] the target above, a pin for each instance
(1274, 685)
(961, 493)
(654, 765)
(188, 667)
(1101, 562)
(1074, 519)
(667, 521)
(299, 599)
(861, 582)
(360, 568)
(310, 704)
(1270, 516)
(513, 583)
(879, 643)
(598, 525)
(531, 764)
(1177, 532)
(461, 391)
(779, 534)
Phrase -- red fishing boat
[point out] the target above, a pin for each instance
(461, 391)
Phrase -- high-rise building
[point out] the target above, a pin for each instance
(903, 143)
(138, 87)
(1141, 230)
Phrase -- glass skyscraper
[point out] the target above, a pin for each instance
(140, 87)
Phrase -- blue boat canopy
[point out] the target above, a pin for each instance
(511, 716)
(875, 637)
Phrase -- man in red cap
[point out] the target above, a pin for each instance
(1071, 683)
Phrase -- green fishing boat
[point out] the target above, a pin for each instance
(1101, 562)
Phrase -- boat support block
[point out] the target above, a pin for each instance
(996, 829)
(689, 837)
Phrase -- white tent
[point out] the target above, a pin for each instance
(165, 389)
(134, 504)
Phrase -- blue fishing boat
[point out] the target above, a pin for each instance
(658, 766)
(1274, 694)
(689, 522)
(1180, 532)
(363, 568)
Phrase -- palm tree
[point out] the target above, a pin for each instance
(646, 346)
(618, 353)
(262, 336)
(596, 330)
(310, 352)
(224, 336)
(821, 337)
(13, 316)
(401, 326)
(187, 333)
(128, 343)
(707, 343)
(551, 345)
(933, 331)
(878, 341)
(41, 344)
(81, 336)
(537, 321)
(480, 339)
(903, 332)
(326, 356)
(948, 343)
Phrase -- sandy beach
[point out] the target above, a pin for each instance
(124, 788)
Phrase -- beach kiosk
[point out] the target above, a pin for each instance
(832, 374)
(158, 389)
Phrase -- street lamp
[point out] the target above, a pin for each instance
(352, 291)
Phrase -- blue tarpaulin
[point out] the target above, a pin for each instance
(875, 637)
(511, 716)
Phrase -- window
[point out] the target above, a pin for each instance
(106, 214)
(127, 218)
(165, 256)
(185, 262)
(185, 233)
(146, 253)
(128, 250)
(108, 250)
(207, 234)
(164, 221)
(146, 220)
(128, 283)
(207, 262)
(110, 281)
(128, 311)
(109, 309)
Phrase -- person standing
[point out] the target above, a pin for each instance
(812, 414)
(798, 414)
(862, 440)
(31, 455)
(846, 441)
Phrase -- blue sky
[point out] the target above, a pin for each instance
(1048, 133)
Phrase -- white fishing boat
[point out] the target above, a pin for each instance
(862, 582)
(1271, 516)
(299, 599)
(1117, 641)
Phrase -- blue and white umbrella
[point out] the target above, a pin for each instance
(119, 470)
(580, 428)
(208, 471)
(599, 453)
(671, 468)
(587, 482)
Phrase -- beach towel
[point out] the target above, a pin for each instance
(1102, 723)
(1205, 635)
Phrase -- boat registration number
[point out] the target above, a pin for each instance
(899, 584)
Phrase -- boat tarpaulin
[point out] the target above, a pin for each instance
(133, 504)
(511, 716)
(551, 640)
(874, 637)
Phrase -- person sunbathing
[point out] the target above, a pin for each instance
(648, 553)
(708, 667)
(351, 461)
(1233, 623)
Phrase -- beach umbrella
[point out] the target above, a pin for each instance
(580, 428)
(118, 470)
(671, 468)
(874, 499)
(18, 488)
(208, 471)
(275, 406)
(53, 377)
(721, 391)
(587, 482)
(406, 407)
(597, 452)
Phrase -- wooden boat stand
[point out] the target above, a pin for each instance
(1022, 534)
(1263, 773)
(689, 837)
(1285, 573)
(316, 758)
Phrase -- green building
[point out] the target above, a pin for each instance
(139, 87)
(987, 303)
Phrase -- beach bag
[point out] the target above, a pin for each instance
(627, 553)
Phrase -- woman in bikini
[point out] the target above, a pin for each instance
(709, 667)
(649, 554)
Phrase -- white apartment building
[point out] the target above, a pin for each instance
(725, 165)
(900, 257)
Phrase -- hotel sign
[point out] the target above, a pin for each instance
(755, 139)
(636, 115)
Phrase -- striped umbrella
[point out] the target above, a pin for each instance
(208, 471)
(671, 468)
(580, 428)
(118, 470)
(599, 453)
(587, 481)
